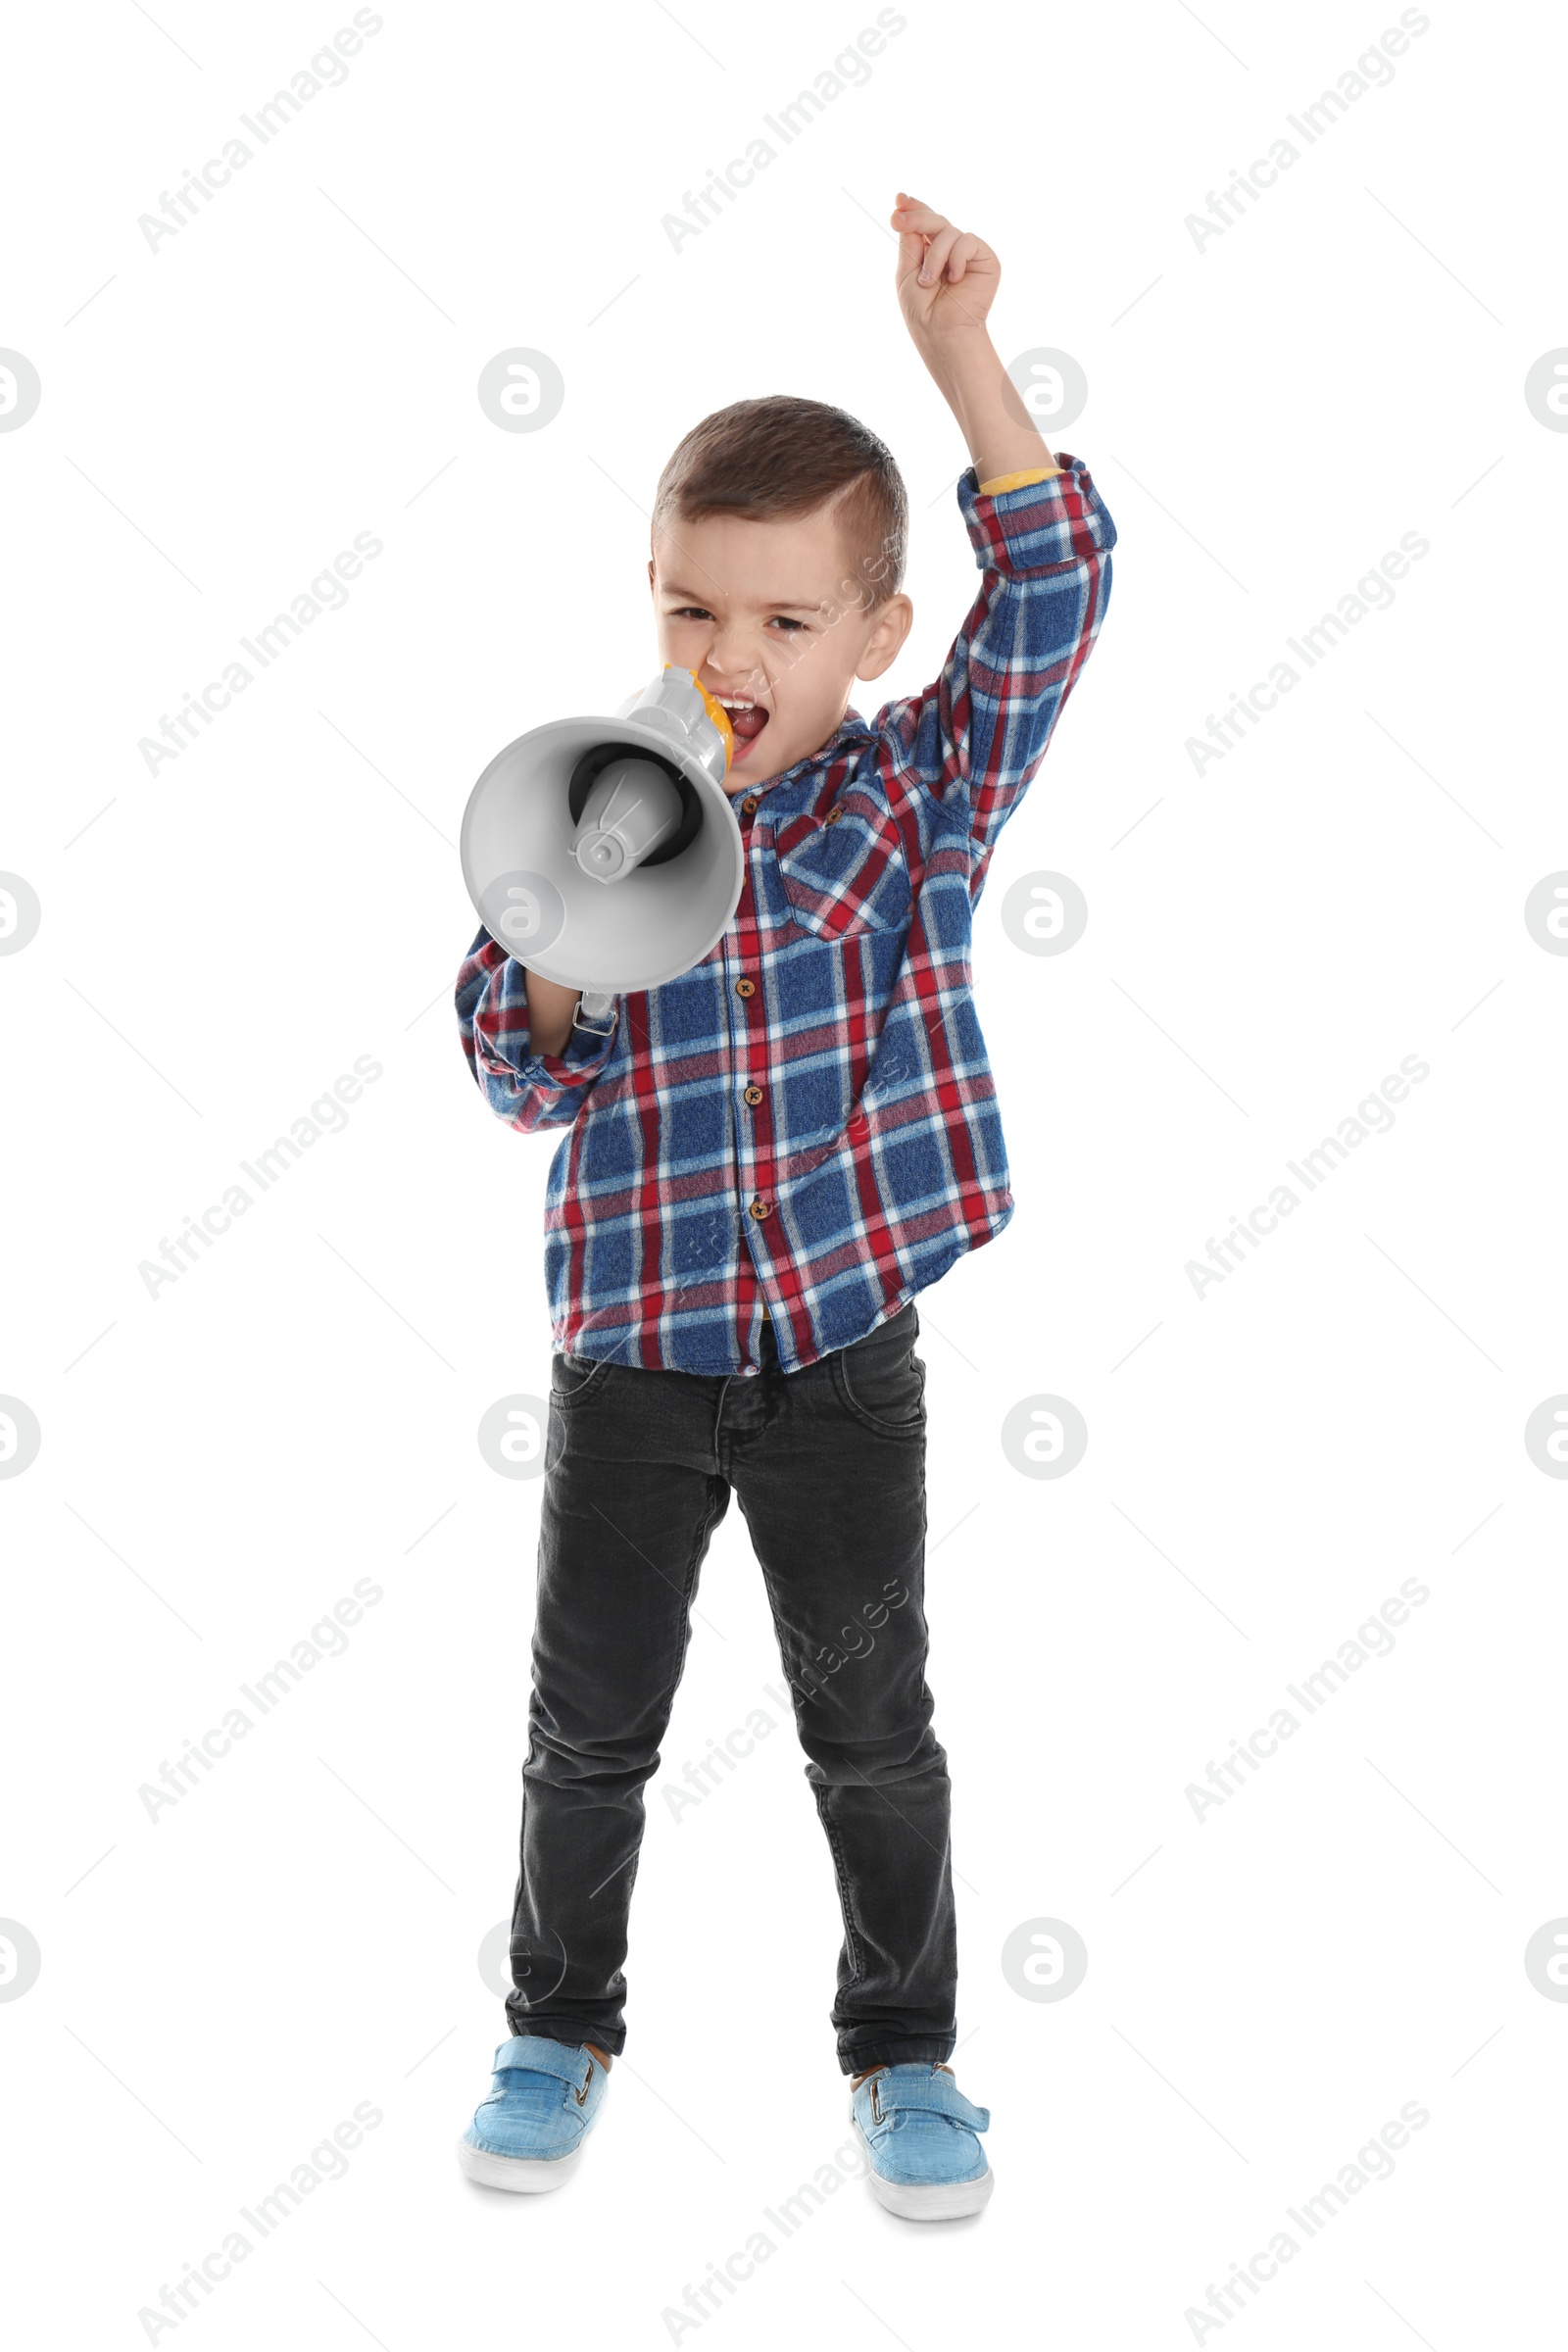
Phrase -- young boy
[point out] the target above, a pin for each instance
(763, 1161)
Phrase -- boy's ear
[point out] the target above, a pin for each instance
(892, 625)
(653, 577)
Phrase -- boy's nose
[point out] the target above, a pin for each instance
(734, 669)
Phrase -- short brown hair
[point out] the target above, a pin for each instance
(778, 457)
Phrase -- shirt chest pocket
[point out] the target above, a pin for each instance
(844, 871)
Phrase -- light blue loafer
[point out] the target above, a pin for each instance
(918, 2132)
(542, 2103)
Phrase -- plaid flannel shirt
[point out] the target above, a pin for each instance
(804, 1124)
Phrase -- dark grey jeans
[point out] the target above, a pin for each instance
(829, 1465)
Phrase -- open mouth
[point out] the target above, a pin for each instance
(747, 720)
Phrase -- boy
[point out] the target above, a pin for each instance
(763, 1161)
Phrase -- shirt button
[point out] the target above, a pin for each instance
(746, 988)
(833, 814)
(749, 805)
(761, 1209)
(754, 1094)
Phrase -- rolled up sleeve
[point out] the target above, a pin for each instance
(525, 1089)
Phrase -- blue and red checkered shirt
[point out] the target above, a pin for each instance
(806, 1123)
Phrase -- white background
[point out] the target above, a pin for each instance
(219, 941)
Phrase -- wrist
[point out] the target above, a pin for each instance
(550, 1012)
(959, 355)
(1000, 436)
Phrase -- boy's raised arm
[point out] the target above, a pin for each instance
(948, 280)
(1041, 534)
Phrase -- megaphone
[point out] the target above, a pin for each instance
(604, 853)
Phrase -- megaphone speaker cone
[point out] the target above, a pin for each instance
(637, 801)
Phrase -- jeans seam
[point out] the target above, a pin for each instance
(852, 1925)
(852, 1929)
(705, 1528)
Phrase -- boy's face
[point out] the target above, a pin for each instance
(766, 614)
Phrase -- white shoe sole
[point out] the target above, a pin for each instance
(930, 2201)
(530, 2174)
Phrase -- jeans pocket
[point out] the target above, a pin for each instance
(573, 1376)
(882, 1380)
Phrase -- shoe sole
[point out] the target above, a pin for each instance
(930, 2200)
(529, 2173)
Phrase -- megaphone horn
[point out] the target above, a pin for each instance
(604, 853)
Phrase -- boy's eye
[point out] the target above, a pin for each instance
(780, 621)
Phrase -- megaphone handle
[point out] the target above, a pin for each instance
(595, 1010)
